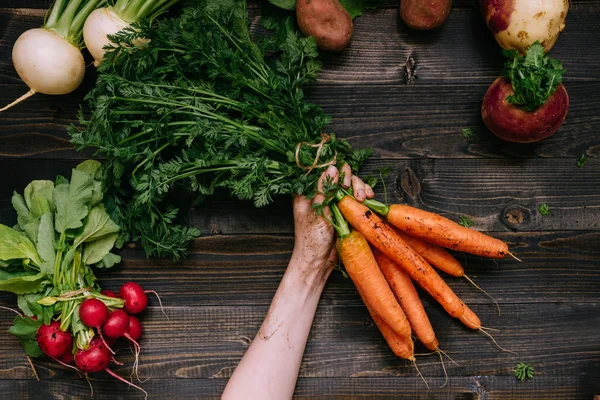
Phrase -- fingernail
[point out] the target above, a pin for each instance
(331, 171)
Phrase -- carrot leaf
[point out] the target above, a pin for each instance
(467, 133)
(543, 209)
(582, 160)
(523, 371)
(465, 221)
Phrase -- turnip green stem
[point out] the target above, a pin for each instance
(134, 10)
(66, 18)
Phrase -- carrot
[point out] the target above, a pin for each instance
(402, 346)
(439, 258)
(384, 238)
(362, 268)
(436, 229)
(409, 300)
(435, 255)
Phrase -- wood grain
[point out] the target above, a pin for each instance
(217, 297)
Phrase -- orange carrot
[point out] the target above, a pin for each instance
(402, 346)
(436, 229)
(409, 300)
(361, 266)
(435, 255)
(439, 258)
(384, 238)
(470, 319)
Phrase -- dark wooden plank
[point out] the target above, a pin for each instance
(379, 388)
(560, 339)
(497, 194)
(417, 119)
(246, 270)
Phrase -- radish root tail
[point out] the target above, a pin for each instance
(486, 293)
(483, 330)
(159, 302)
(136, 362)
(64, 364)
(11, 309)
(125, 381)
(20, 99)
(104, 341)
(37, 377)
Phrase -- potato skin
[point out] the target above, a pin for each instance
(513, 124)
(325, 20)
(425, 14)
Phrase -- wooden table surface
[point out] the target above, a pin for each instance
(217, 298)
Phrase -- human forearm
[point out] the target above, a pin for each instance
(269, 368)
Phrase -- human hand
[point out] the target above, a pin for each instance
(315, 237)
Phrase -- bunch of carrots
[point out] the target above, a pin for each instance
(389, 248)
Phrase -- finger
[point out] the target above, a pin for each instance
(358, 187)
(332, 172)
(369, 191)
(347, 172)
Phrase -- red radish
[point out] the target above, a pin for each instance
(134, 330)
(53, 341)
(93, 313)
(116, 324)
(96, 358)
(134, 296)
(108, 293)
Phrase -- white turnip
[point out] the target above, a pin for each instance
(48, 59)
(517, 24)
(109, 20)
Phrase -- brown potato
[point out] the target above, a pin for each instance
(424, 14)
(325, 20)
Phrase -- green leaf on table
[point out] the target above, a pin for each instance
(72, 201)
(543, 209)
(45, 243)
(15, 245)
(94, 252)
(465, 221)
(22, 282)
(25, 329)
(97, 225)
(582, 160)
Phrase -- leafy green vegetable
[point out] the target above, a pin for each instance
(523, 371)
(41, 258)
(14, 245)
(534, 76)
(203, 108)
(285, 4)
(465, 221)
(582, 160)
(543, 209)
(72, 201)
(25, 329)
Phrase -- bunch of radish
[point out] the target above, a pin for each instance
(106, 324)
